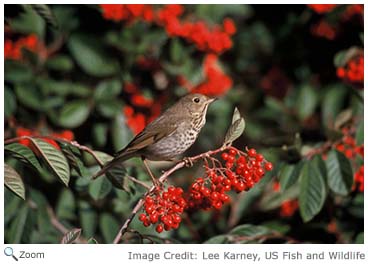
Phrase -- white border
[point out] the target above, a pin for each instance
(99, 254)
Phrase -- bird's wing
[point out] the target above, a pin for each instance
(148, 137)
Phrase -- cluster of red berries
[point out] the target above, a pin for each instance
(288, 207)
(348, 146)
(216, 82)
(209, 192)
(359, 179)
(136, 120)
(13, 50)
(245, 170)
(240, 173)
(119, 12)
(215, 39)
(66, 134)
(164, 209)
(322, 8)
(353, 71)
(352, 11)
(324, 29)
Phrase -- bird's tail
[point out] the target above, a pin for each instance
(109, 165)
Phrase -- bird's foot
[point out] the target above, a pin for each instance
(188, 161)
(158, 184)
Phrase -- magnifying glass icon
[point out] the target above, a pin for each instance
(8, 251)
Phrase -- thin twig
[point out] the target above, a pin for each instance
(60, 227)
(139, 182)
(162, 179)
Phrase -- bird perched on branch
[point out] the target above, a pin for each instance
(168, 136)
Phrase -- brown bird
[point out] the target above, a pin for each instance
(168, 136)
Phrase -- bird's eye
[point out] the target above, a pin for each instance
(196, 100)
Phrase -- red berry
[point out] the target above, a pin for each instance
(215, 196)
(230, 159)
(159, 228)
(242, 160)
(232, 152)
(268, 166)
(154, 218)
(176, 218)
(260, 172)
(229, 165)
(224, 156)
(259, 157)
(142, 217)
(252, 152)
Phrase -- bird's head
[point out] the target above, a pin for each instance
(197, 104)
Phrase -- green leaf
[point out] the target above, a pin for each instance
(14, 182)
(99, 188)
(28, 22)
(18, 226)
(343, 118)
(109, 227)
(54, 159)
(65, 207)
(62, 63)
(220, 239)
(359, 238)
(88, 219)
(108, 89)
(339, 172)
(332, 104)
(236, 115)
(120, 133)
(10, 104)
(66, 17)
(306, 102)
(23, 154)
(30, 96)
(250, 230)
(339, 59)
(91, 56)
(342, 57)
(274, 200)
(176, 50)
(16, 72)
(215, 14)
(289, 174)
(117, 176)
(109, 108)
(92, 241)
(45, 12)
(99, 134)
(359, 136)
(235, 131)
(71, 236)
(74, 113)
(313, 190)
(72, 154)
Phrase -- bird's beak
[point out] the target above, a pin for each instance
(210, 100)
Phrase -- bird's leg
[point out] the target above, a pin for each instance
(188, 161)
(154, 180)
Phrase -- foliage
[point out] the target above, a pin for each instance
(97, 74)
